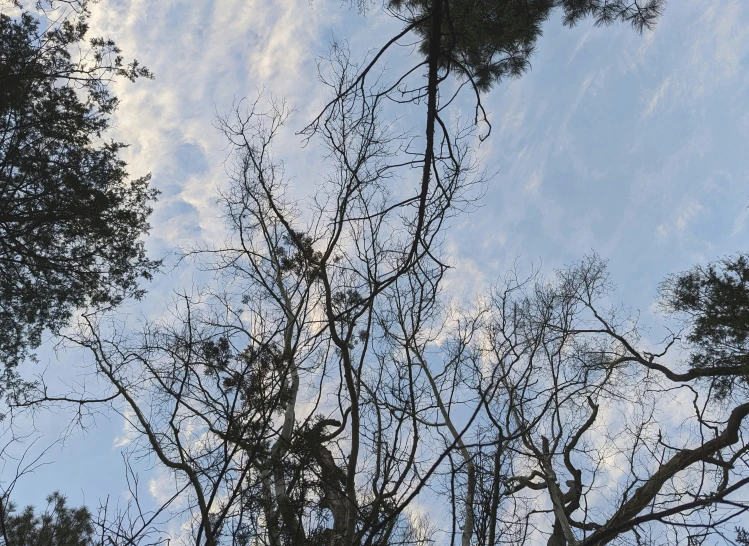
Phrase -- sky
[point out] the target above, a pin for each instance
(632, 146)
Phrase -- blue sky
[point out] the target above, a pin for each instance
(632, 146)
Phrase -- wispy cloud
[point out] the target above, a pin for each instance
(680, 220)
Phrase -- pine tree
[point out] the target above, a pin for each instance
(70, 218)
(713, 300)
(58, 525)
(488, 40)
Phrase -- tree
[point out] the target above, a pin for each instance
(61, 525)
(222, 395)
(112, 524)
(581, 444)
(70, 220)
(542, 416)
(714, 302)
(58, 525)
(485, 41)
(324, 386)
(479, 41)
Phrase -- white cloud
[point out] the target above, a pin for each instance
(129, 433)
(658, 96)
(679, 222)
(713, 61)
(204, 55)
(534, 182)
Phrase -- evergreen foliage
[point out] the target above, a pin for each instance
(488, 40)
(70, 219)
(58, 525)
(715, 301)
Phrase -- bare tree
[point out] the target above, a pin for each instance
(593, 438)
(539, 414)
(294, 405)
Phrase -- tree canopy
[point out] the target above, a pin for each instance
(713, 301)
(488, 40)
(71, 220)
(58, 525)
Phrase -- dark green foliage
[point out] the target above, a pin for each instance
(715, 301)
(58, 525)
(70, 220)
(299, 256)
(488, 40)
(257, 375)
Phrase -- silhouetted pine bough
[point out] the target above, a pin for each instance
(58, 524)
